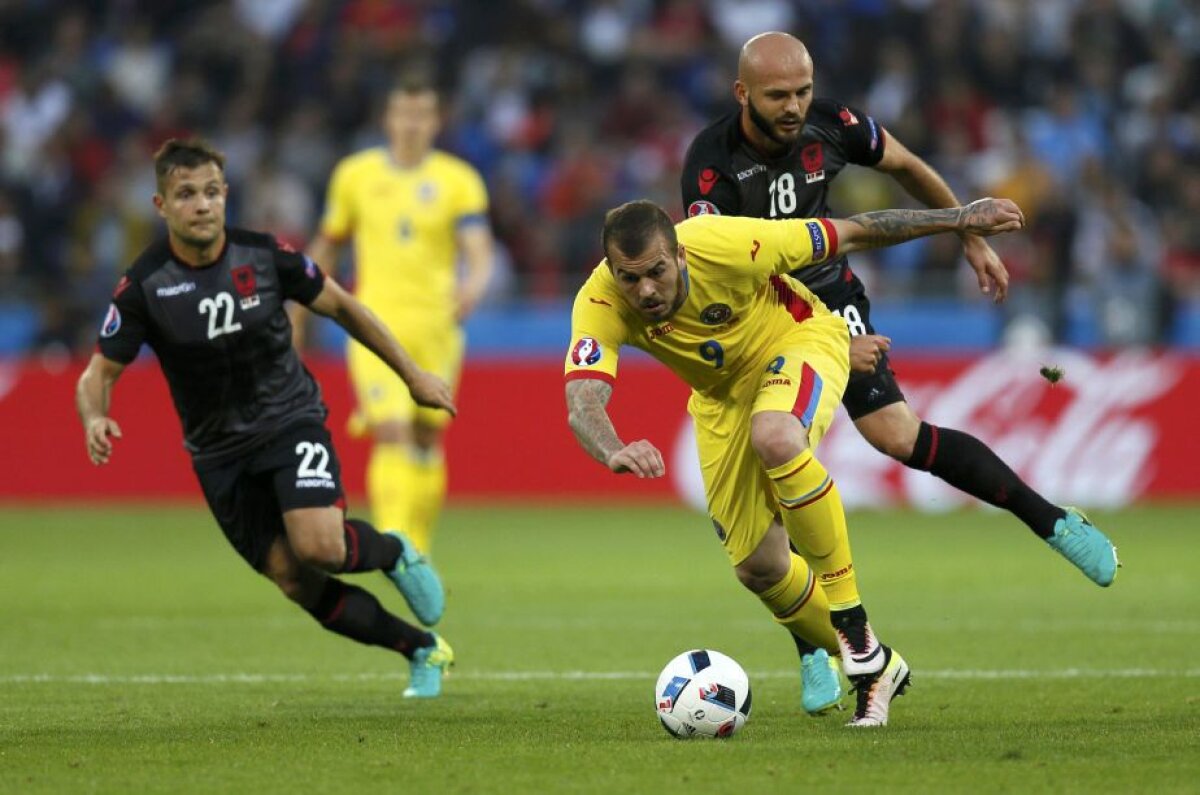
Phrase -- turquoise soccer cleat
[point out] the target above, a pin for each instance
(821, 683)
(1079, 541)
(418, 583)
(427, 667)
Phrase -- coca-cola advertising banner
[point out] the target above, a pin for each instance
(1115, 429)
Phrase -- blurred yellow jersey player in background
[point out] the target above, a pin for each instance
(413, 212)
(767, 363)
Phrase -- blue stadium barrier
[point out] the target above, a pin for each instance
(1185, 326)
(19, 324)
(942, 326)
(937, 326)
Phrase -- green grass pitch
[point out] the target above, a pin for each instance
(139, 654)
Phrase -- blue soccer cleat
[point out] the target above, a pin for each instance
(427, 667)
(418, 583)
(1079, 541)
(821, 683)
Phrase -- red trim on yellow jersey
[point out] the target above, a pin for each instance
(576, 375)
(799, 309)
(831, 237)
(794, 471)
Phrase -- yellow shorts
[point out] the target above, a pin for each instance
(806, 377)
(382, 396)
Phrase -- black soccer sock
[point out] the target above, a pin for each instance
(355, 613)
(848, 618)
(367, 549)
(803, 647)
(969, 465)
(851, 622)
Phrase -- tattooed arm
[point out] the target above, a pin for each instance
(983, 217)
(587, 402)
(923, 183)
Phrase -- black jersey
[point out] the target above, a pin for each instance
(222, 337)
(724, 174)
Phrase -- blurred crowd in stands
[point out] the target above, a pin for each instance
(1087, 112)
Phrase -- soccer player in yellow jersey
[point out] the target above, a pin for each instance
(412, 211)
(767, 364)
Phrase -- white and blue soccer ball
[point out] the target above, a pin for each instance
(702, 693)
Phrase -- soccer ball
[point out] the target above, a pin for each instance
(702, 693)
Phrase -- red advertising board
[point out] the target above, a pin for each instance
(1113, 431)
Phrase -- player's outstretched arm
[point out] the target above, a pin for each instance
(921, 181)
(93, 395)
(983, 217)
(362, 324)
(587, 412)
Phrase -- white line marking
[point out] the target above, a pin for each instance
(566, 676)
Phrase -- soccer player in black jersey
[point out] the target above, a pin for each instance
(209, 301)
(775, 158)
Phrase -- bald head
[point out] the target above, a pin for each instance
(772, 54)
(775, 88)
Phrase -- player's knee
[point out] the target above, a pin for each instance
(298, 585)
(291, 586)
(326, 551)
(756, 577)
(287, 577)
(776, 444)
(426, 437)
(391, 432)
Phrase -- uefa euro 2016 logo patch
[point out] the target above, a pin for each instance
(701, 207)
(586, 352)
(112, 321)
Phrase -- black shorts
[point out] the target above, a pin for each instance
(296, 468)
(865, 392)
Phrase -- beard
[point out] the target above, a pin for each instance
(767, 127)
(668, 310)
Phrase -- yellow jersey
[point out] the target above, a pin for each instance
(404, 222)
(740, 304)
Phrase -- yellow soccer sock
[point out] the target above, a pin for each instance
(816, 523)
(390, 485)
(799, 604)
(428, 494)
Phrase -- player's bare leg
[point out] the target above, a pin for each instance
(972, 467)
(323, 538)
(300, 564)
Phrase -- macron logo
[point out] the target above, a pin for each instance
(175, 289)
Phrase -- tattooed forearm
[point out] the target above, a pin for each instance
(885, 227)
(587, 400)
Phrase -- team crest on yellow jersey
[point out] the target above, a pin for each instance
(715, 314)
